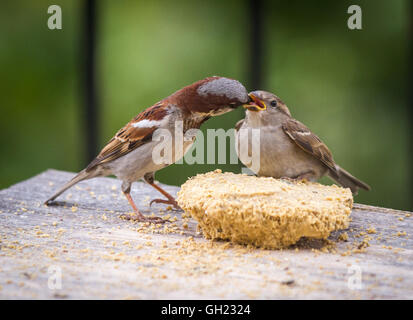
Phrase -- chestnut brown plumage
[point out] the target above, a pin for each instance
(288, 148)
(128, 155)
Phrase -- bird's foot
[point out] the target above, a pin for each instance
(305, 177)
(53, 203)
(141, 218)
(294, 180)
(172, 202)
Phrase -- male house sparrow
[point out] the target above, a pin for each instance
(288, 148)
(128, 155)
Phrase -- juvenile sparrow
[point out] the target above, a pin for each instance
(128, 155)
(288, 149)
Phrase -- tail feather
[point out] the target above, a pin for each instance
(347, 180)
(82, 175)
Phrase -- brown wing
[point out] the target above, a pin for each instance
(129, 137)
(309, 142)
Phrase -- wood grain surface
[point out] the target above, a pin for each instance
(80, 248)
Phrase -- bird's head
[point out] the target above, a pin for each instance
(264, 104)
(211, 96)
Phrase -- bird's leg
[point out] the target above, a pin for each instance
(137, 216)
(149, 178)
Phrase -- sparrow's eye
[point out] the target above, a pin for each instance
(273, 103)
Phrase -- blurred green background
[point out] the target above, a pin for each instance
(350, 87)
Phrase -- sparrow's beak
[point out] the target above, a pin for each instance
(255, 104)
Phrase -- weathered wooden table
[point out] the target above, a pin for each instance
(82, 249)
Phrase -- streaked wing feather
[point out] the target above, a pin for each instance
(239, 124)
(129, 137)
(309, 142)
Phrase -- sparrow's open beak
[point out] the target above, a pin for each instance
(255, 104)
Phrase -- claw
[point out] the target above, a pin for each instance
(171, 202)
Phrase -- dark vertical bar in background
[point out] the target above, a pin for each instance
(256, 16)
(91, 107)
